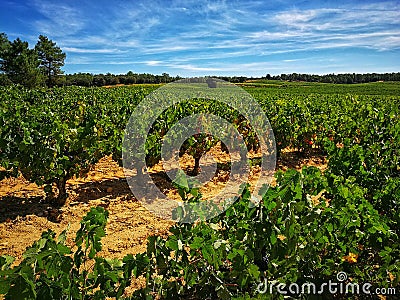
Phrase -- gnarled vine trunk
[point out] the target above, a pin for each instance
(62, 191)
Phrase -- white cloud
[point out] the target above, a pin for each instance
(296, 18)
(189, 67)
(86, 50)
(207, 36)
(60, 20)
(153, 62)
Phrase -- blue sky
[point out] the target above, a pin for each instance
(196, 38)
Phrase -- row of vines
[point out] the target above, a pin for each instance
(308, 228)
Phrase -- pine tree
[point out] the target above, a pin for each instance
(51, 59)
(20, 64)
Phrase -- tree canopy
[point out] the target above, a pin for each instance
(51, 58)
(30, 67)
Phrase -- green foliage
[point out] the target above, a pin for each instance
(30, 67)
(51, 59)
(309, 227)
(309, 79)
(20, 63)
(52, 270)
(51, 135)
(5, 45)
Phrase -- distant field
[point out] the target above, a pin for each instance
(373, 88)
(389, 88)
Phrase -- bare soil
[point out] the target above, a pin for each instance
(25, 213)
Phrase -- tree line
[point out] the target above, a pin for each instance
(337, 78)
(42, 64)
(88, 79)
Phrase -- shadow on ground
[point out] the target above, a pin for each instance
(33, 202)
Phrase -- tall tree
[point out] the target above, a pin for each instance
(51, 58)
(20, 64)
(4, 46)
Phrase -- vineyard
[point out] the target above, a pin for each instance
(310, 225)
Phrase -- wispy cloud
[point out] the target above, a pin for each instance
(191, 36)
(230, 27)
(59, 20)
(83, 50)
